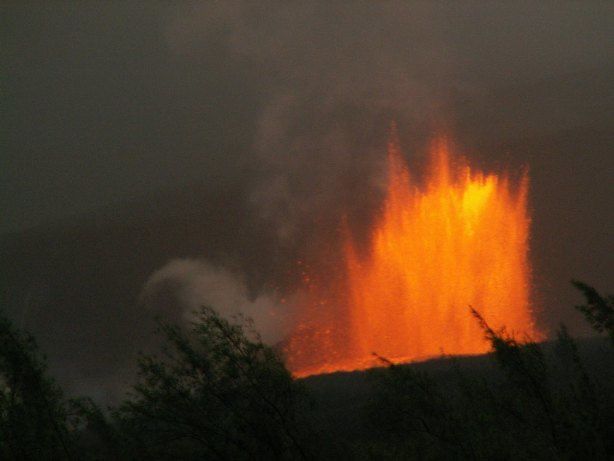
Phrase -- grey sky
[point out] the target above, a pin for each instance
(105, 102)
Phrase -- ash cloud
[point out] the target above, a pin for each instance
(331, 78)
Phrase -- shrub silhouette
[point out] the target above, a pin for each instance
(33, 414)
(531, 405)
(598, 310)
(216, 393)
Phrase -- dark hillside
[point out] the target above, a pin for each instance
(343, 400)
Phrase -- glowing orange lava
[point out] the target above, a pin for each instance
(459, 240)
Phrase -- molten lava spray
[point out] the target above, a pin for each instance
(459, 240)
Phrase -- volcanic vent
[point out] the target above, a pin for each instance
(457, 239)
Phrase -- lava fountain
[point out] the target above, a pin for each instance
(459, 239)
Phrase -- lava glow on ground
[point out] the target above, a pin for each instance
(458, 240)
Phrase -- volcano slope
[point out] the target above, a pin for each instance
(539, 401)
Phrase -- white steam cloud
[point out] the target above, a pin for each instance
(194, 283)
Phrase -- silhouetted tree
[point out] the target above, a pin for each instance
(532, 405)
(33, 415)
(598, 310)
(217, 393)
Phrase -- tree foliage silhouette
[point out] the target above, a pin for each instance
(33, 414)
(598, 310)
(216, 392)
(538, 402)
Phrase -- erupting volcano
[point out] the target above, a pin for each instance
(457, 239)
